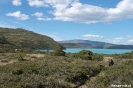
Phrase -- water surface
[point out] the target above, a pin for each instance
(99, 51)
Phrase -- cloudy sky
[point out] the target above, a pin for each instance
(97, 20)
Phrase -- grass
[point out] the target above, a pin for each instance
(117, 75)
(49, 71)
(46, 71)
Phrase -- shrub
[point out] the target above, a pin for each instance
(85, 54)
(97, 57)
(17, 72)
(47, 72)
(4, 60)
(58, 51)
(124, 56)
(20, 57)
(117, 75)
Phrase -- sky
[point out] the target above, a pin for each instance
(108, 21)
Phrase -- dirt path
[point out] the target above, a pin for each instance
(36, 55)
(106, 59)
(83, 86)
(31, 57)
(5, 63)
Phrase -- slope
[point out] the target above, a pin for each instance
(21, 38)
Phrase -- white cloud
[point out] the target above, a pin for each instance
(38, 14)
(131, 41)
(47, 3)
(116, 40)
(92, 36)
(63, 3)
(18, 15)
(81, 13)
(38, 3)
(44, 19)
(75, 11)
(129, 36)
(16, 2)
(40, 17)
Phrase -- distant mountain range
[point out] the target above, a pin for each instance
(78, 43)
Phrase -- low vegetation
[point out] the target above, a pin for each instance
(124, 56)
(49, 71)
(115, 75)
(86, 55)
(58, 71)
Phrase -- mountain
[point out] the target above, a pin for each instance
(78, 43)
(21, 38)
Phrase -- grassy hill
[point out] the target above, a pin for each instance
(20, 38)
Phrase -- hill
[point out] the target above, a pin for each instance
(78, 43)
(21, 38)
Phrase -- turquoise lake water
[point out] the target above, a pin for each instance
(99, 51)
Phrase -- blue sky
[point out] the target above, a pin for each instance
(97, 20)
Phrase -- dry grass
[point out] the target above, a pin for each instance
(106, 59)
(36, 55)
(5, 63)
(6, 58)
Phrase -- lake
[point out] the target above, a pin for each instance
(99, 51)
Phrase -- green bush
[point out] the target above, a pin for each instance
(124, 56)
(4, 60)
(17, 72)
(58, 51)
(85, 54)
(20, 56)
(97, 57)
(116, 75)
